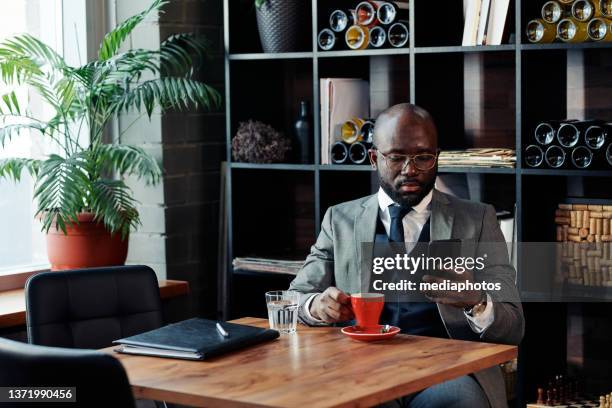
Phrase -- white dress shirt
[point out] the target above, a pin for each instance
(413, 223)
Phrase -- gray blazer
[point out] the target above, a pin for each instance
(337, 255)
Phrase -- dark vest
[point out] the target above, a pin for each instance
(419, 318)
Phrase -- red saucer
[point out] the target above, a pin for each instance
(355, 332)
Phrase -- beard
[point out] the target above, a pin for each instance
(406, 199)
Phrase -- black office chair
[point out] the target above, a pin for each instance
(89, 308)
(99, 378)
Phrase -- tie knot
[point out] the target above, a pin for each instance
(397, 211)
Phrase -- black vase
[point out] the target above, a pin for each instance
(278, 22)
(303, 134)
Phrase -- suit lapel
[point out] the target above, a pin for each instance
(365, 230)
(442, 216)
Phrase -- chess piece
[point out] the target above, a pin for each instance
(549, 400)
(602, 402)
(540, 400)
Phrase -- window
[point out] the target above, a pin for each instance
(22, 244)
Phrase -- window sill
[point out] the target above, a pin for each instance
(12, 302)
(16, 280)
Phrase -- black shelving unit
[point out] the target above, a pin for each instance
(520, 84)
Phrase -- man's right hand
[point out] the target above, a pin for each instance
(331, 306)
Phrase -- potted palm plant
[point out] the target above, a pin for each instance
(84, 205)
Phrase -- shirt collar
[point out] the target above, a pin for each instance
(384, 201)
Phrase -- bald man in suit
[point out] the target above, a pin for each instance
(407, 208)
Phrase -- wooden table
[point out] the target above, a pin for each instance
(314, 367)
(13, 308)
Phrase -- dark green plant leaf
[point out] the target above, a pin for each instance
(62, 189)
(112, 202)
(128, 160)
(167, 93)
(113, 40)
(7, 132)
(13, 168)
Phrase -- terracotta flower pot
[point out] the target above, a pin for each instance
(85, 245)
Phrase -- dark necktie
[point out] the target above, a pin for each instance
(396, 230)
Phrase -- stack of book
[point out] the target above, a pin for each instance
(268, 265)
(478, 157)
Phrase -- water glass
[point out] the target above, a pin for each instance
(283, 310)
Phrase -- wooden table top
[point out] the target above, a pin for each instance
(13, 308)
(314, 367)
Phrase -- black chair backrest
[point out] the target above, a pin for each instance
(99, 378)
(89, 308)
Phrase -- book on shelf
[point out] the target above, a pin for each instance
(341, 99)
(282, 266)
(484, 21)
(478, 157)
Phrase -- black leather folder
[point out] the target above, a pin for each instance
(193, 339)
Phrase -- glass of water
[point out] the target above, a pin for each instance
(283, 310)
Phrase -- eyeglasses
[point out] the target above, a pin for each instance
(422, 162)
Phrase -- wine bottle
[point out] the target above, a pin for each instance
(365, 14)
(598, 30)
(339, 153)
(398, 34)
(367, 131)
(327, 40)
(390, 12)
(554, 157)
(303, 134)
(378, 37)
(539, 31)
(534, 155)
(552, 12)
(595, 136)
(545, 132)
(605, 8)
(569, 133)
(358, 152)
(572, 31)
(582, 157)
(357, 37)
(350, 130)
(584, 10)
(340, 20)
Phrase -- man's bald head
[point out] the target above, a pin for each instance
(401, 121)
(403, 134)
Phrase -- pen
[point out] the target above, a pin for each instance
(221, 330)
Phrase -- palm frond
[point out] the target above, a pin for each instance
(129, 160)
(177, 51)
(166, 93)
(61, 190)
(112, 202)
(17, 69)
(113, 40)
(25, 46)
(13, 168)
(9, 104)
(7, 132)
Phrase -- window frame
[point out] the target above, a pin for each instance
(91, 18)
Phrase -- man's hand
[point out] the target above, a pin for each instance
(463, 299)
(331, 306)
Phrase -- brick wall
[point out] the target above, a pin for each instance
(193, 148)
(179, 232)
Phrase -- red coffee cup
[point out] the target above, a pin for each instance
(367, 308)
